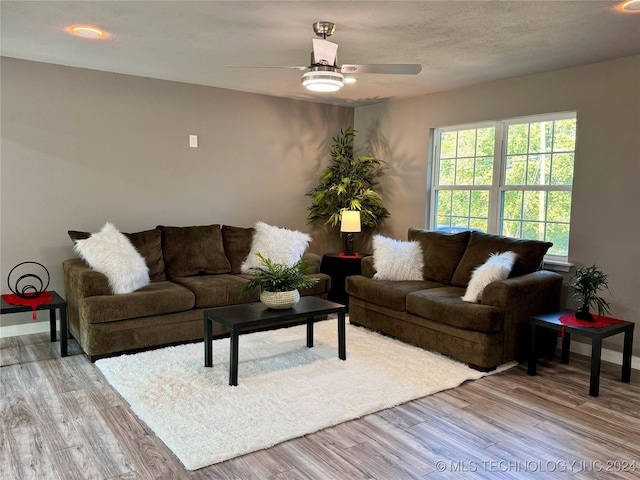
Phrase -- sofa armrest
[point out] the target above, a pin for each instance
(82, 281)
(520, 298)
(313, 260)
(368, 270)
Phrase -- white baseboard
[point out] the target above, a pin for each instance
(607, 354)
(25, 329)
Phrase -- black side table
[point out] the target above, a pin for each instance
(550, 321)
(339, 268)
(56, 303)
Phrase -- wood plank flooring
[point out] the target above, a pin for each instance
(62, 420)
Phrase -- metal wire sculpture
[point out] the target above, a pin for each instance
(28, 285)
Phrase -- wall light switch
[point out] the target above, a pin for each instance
(193, 141)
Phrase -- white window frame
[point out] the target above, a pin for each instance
(498, 186)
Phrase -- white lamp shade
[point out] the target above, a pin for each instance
(350, 221)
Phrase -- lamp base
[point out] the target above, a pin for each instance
(347, 255)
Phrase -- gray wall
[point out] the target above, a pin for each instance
(605, 224)
(80, 147)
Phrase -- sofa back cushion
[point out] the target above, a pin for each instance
(530, 255)
(441, 251)
(193, 251)
(237, 245)
(148, 243)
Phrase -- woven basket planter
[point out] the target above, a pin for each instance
(280, 300)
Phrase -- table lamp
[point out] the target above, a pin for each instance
(349, 225)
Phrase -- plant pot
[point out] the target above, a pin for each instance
(582, 313)
(280, 300)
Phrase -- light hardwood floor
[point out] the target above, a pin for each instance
(61, 420)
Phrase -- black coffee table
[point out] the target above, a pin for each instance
(247, 317)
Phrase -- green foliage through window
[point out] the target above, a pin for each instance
(535, 157)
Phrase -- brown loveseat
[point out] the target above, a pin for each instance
(430, 312)
(191, 269)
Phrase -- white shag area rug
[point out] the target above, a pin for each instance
(285, 390)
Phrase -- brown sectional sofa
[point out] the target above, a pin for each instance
(430, 313)
(191, 269)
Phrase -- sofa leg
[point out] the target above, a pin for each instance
(482, 369)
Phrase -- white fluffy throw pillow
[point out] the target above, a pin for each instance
(280, 245)
(397, 260)
(496, 268)
(111, 253)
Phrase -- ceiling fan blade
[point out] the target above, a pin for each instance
(324, 51)
(290, 67)
(398, 69)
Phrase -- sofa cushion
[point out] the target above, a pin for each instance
(481, 245)
(193, 251)
(216, 290)
(149, 245)
(441, 252)
(444, 305)
(386, 293)
(155, 299)
(237, 244)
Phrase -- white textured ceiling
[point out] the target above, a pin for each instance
(458, 43)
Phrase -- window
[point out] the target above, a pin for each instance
(512, 177)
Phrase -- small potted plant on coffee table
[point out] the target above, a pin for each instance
(586, 283)
(279, 283)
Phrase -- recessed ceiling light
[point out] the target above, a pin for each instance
(86, 31)
(350, 79)
(631, 6)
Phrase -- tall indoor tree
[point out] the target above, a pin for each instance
(347, 184)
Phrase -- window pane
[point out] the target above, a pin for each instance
(538, 170)
(540, 137)
(515, 170)
(448, 144)
(564, 137)
(562, 169)
(512, 205)
(558, 233)
(464, 171)
(480, 204)
(479, 224)
(532, 230)
(559, 208)
(443, 202)
(460, 206)
(466, 143)
(510, 229)
(486, 141)
(517, 139)
(534, 206)
(484, 171)
(447, 172)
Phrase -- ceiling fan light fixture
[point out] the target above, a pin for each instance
(323, 81)
(630, 6)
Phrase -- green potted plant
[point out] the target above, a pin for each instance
(347, 184)
(585, 284)
(279, 283)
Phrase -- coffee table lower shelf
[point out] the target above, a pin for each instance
(245, 318)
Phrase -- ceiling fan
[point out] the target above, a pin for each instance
(325, 75)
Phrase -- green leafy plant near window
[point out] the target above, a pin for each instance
(586, 283)
(347, 184)
(276, 277)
